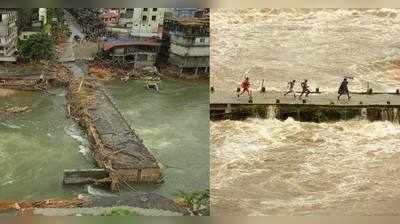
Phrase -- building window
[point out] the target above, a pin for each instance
(154, 9)
(145, 9)
(202, 40)
(1, 17)
(144, 18)
(153, 18)
(141, 57)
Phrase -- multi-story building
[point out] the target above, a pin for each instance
(144, 22)
(189, 44)
(8, 34)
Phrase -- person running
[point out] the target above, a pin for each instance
(245, 85)
(305, 89)
(343, 89)
(290, 87)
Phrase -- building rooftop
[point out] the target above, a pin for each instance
(189, 26)
(111, 42)
(109, 15)
(2, 10)
(191, 21)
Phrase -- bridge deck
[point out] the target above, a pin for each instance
(225, 97)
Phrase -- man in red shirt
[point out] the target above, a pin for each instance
(245, 85)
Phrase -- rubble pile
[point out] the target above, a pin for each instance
(115, 146)
(8, 112)
(26, 208)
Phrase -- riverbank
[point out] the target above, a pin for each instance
(143, 204)
(6, 93)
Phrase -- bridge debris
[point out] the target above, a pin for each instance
(13, 110)
(86, 176)
(115, 146)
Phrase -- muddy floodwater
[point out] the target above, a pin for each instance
(36, 146)
(322, 46)
(273, 167)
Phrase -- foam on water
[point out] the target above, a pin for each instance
(319, 45)
(97, 192)
(75, 133)
(289, 167)
(9, 125)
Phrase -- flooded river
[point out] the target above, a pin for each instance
(320, 45)
(36, 146)
(272, 167)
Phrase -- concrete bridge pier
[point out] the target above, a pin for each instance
(396, 115)
(364, 113)
(305, 112)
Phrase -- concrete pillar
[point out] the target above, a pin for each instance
(228, 108)
(206, 70)
(196, 70)
(298, 115)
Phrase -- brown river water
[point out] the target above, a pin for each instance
(272, 167)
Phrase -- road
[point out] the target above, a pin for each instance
(73, 50)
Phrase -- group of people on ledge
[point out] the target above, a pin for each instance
(343, 89)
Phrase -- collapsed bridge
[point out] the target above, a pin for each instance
(115, 146)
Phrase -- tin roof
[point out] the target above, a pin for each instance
(110, 43)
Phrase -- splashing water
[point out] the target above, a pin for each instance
(271, 111)
(322, 46)
(274, 167)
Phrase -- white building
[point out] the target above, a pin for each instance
(42, 15)
(143, 22)
(8, 34)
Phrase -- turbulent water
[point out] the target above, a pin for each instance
(320, 45)
(36, 146)
(271, 167)
(174, 126)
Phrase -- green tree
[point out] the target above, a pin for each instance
(37, 47)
